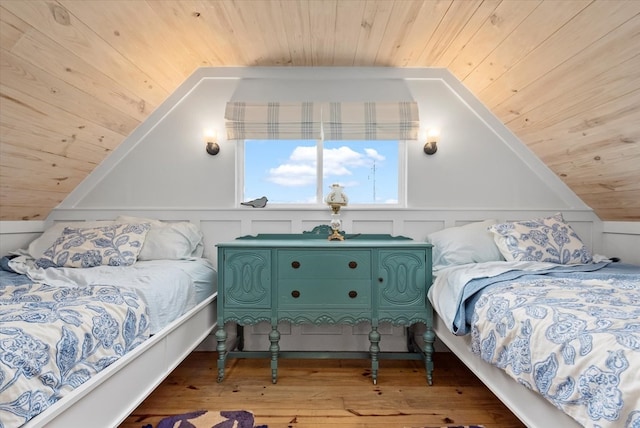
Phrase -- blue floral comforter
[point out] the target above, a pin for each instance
(572, 337)
(53, 339)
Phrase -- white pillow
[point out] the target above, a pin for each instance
(168, 241)
(38, 246)
(471, 243)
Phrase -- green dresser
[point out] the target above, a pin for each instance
(307, 279)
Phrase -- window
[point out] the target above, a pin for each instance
(301, 171)
(284, 158)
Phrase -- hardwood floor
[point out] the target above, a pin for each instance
(328, 394)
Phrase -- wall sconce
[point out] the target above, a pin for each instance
(431, 146)
(211, 138)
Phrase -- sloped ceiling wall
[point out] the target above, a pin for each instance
(77, 77)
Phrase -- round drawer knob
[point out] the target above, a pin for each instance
(353, 294)
(353, 265)
(295, 294)
(295, 265)
(380, 279)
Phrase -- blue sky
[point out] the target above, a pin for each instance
(285, 171)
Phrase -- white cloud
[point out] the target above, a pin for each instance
(291, 174)
(373, 154)
(304, 154)
(342, 160)
(300, 168)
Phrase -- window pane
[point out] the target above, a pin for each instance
(285, 171)
(368, 170)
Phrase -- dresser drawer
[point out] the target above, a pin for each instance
(325, 264)
(320, 293)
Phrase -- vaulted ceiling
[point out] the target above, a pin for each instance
(78, 76)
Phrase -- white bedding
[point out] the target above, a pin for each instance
(446, 292)
(169, 287)
(203, 275)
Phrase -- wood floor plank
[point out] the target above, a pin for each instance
(328, 393)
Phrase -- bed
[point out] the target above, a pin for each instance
(553, 330)
(93, 316)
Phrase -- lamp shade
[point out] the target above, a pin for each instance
(336, 196)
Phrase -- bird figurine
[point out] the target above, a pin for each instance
(256, 203)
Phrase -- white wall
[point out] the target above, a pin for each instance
(17, 234)
(622, 239)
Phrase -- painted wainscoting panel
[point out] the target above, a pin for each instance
(227, 224)
(622, 239)
(18, 234)
(218, 231)
(271, 226)
(370, 226)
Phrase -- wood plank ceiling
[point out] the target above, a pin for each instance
(77, 76)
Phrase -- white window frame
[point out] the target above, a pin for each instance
(402, 180)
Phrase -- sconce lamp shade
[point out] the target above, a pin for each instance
(211, 138)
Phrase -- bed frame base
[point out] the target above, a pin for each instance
(109, 397)
(528, 406)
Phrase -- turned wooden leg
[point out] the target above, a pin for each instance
(274, 338)
(221, 337)
(429, 338)
(374, 349)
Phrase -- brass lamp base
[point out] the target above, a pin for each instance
(335, 236)
(335, 207)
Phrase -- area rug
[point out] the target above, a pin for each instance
(209, 419)
(235, 419)
(451, 426)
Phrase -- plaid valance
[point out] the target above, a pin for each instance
(308, 120)
(371, 121)
(273, 121)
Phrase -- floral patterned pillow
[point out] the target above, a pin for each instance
(113, 245)
(544, 240)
